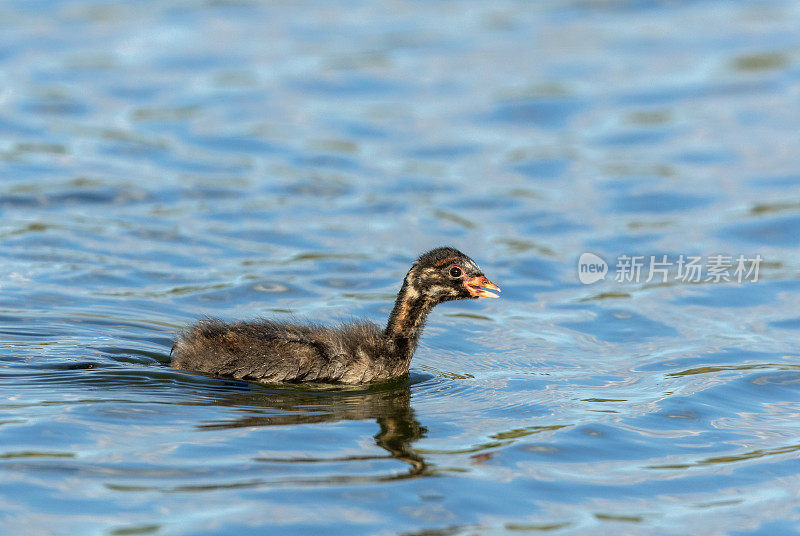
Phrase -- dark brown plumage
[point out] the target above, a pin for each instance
(274, 352)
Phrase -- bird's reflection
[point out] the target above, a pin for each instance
(389, 404)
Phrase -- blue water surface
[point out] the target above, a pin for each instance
(161, 161)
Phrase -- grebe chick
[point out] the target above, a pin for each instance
(269, 351)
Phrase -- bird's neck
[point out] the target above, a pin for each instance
(407, 320)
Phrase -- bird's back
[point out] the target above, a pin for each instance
(274, 352)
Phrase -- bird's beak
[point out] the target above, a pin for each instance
(477, 286)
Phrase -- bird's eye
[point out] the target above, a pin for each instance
(455, 271)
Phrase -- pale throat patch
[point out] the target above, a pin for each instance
(443, 290)
(411, 292)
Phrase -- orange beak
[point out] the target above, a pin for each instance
(477, 286)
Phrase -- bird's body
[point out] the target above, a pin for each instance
(274, 352)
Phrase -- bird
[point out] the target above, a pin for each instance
(276, 352)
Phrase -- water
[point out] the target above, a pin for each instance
(166, 160)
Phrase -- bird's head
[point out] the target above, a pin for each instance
(445, 274)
